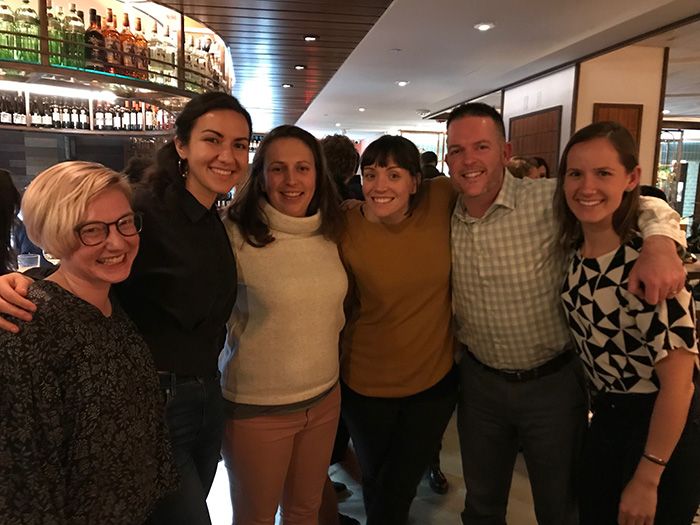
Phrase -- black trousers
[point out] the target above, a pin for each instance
(395, 439)
(613, 448)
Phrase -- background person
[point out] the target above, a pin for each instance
(641, 461)
(9, 207)
(342, 160)
(280, 365)
(82, 433)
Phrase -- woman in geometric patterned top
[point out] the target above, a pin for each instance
(641, 461)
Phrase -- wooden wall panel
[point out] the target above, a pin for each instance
(537, 135)
(629, 115)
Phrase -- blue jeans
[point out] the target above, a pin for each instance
(547, 416)
(194, 414)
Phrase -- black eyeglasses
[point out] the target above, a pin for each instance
(94, 233)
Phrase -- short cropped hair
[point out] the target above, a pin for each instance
(56, 200)
(478, 109)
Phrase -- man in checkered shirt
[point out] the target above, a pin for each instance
(521, 384)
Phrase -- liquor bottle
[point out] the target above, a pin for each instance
(156, 56)
(99, 117)
(55, 27)
(113, 54)
(18, 110)
(55, 114)
(35, 111)
(74, 30)
(139, 116)
(5, 111)
(7, 37)
(74, 116)
(149, 118)
(128, 41)
(83, 116)
(169, 52)
(109, 117)
(27, 29)
(141, 51)
(190, 64)
(65, 114)
(117, 119)
(94, 44)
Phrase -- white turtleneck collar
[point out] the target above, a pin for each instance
(293, 225)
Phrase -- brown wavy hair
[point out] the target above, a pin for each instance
(625, 217)
(246, 210)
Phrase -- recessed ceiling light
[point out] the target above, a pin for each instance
(287, 85)
(402, 83)
(337, 124)
(361, 110)
(484, 26)
(311, 38)
(666, 111)
(300, 67)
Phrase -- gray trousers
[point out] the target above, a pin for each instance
(546, 416)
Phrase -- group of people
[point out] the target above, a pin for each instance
(117, 398)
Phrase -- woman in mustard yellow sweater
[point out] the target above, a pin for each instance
(397, 364)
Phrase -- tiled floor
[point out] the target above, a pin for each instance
(428, 507)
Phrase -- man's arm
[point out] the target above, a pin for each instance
(659, 272)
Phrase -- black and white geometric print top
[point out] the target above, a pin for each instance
(618, 336)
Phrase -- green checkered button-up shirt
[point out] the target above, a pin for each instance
(507, 272)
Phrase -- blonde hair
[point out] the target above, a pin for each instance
(56, 200)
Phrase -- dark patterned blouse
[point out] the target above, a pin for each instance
(619, 337)
(82, 433)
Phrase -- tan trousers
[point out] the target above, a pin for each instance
(280, 460)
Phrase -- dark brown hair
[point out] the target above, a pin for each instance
(166, 170)
(478, 109)
(246, 210)
(402, 152)
(625, 217)
(341, 156)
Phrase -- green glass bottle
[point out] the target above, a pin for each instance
(27, 29)
(74, 30)
(7, 37)
(55, 36)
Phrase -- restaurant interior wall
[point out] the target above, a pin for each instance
(631, 75)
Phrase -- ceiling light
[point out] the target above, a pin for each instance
(287, 85)
(484, 26)
(361, 110)
(311, 38)
(402, 83)
(300, 67)
(337, 124)
(666, 111)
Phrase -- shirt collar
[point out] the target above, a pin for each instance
(505, 199)
(192, 208)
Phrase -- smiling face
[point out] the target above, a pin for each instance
(595, 182)
(476, 156)
(290, 176)
(387, 190)
(110, 261)
(216, 154)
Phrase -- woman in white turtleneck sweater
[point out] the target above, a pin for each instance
(280, 365)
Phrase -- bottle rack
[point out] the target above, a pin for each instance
(29, 111)
(152, 65)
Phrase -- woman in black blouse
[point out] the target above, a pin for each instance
(182, 287)
(641, 461)
(82, 437)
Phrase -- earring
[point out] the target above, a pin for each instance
(183, 168)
